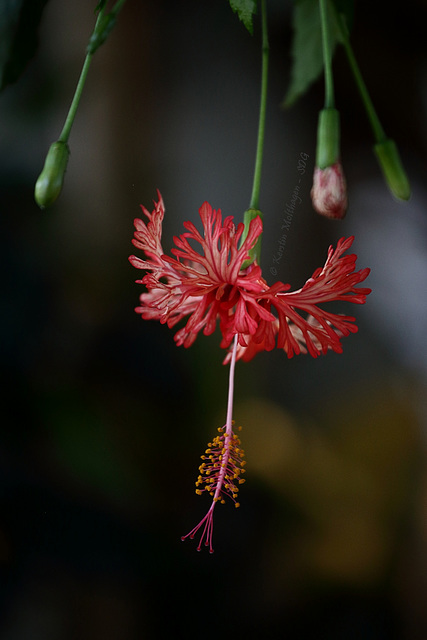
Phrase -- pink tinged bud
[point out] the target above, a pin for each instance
(329, 192)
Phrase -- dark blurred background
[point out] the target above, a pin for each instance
(104, 418)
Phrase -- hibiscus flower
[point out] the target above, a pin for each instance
(206, 284)
(211, 281)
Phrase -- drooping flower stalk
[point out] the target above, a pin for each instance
(327, 54)
(254, 203)
(221, 468)
(49, 183)
(103, 26)
(329, 192)
(254, 210)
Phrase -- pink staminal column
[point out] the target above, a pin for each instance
(221, 468)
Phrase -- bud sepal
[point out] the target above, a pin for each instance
(328, 138)
(394, 174)
(254, 253)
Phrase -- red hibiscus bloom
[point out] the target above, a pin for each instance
(206, 283)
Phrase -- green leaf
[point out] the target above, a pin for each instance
(245, 9)
(307, 52)
(19, 22)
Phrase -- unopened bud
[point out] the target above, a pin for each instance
(49, 183)
(328, 138)
(329, 192)
(392, 168)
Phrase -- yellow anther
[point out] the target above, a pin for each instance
(241, 480)
(199, 492)
(237, 504)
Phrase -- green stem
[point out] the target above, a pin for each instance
(119, 4)
(65, 133)
(254, 204)
(377, 128)
(327, 55)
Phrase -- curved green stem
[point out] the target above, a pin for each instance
(385, 149)
(254, 203)
(253, 211)
(327, 54)
(49, 183)
(377, 128)
(65, 133)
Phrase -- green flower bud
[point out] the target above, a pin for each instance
(49, 183)
(392, 168)
(328, 138)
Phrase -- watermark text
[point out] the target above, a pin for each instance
(288, 215)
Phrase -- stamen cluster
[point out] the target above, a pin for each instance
(220, 475)
(222, 466)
